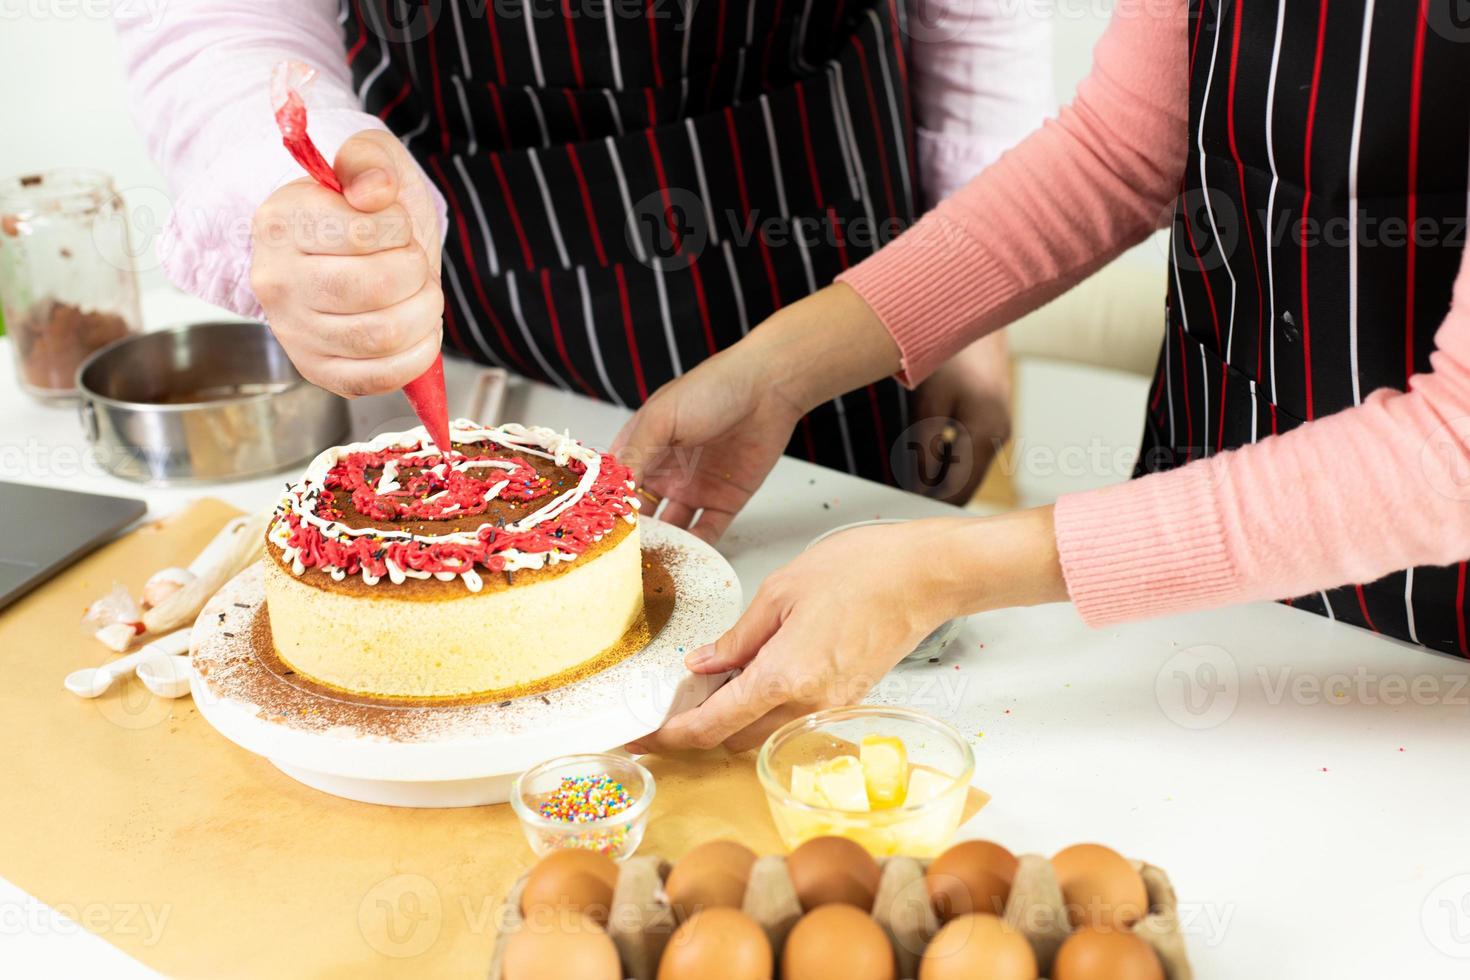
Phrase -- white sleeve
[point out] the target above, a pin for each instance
(198, 74)
(982, 81)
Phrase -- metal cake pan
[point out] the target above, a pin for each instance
(201, 402)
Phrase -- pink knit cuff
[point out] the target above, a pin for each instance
(1146, 548)
(930, 287)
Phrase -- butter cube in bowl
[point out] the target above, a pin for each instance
(892, 779)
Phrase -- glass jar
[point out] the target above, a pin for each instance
(67, 279)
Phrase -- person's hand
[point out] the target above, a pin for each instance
(963, 408)
(824, 630)
(705, 442)
(350, 282)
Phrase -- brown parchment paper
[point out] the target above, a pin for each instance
(130, 815)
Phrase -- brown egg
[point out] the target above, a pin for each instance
(576, 947)
(717, 942)
(836, 942)
(833, 869)
(713, 875)
(973, 876)
(978, 945)
(1101, 888)
(570, 880)
(1092, 954)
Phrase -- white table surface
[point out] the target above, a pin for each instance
(1302, 782)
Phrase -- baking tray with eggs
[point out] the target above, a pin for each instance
(830, 911)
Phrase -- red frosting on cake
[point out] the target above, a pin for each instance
(572, 531)
(455, 493)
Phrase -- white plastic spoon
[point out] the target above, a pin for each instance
(93, 682)
(167, 677)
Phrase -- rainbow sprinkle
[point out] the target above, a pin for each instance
(583, 799)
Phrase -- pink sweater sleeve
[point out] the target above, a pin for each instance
(1349, 497)
(1346, 498)
(1075, 193)
(198, 79)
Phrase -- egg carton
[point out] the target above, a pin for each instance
(641, 922)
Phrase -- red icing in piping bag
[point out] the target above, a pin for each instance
(426, 392)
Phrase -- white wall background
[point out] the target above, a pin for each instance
(66, 106)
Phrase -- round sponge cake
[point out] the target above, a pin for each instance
(398, 570)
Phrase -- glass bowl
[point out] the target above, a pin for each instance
(617, 836)
(918, 829)
(943, 635)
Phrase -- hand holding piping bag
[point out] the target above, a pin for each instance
(353, 308)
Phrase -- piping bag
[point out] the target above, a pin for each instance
(426, 392)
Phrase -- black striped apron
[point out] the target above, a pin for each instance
(1332, 127)
(634, 184)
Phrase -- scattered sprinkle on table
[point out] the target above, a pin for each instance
(583, 799)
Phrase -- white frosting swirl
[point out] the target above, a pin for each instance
(559, 447)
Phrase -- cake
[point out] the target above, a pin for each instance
(396, 570)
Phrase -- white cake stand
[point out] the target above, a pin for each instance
(454, 755)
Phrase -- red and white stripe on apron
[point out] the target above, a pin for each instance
(632, 189)
(1321, 132)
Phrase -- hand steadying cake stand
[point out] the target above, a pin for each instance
(455, 755)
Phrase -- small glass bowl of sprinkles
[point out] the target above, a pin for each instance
(595, 802)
